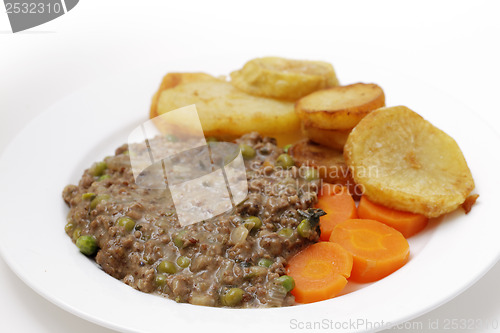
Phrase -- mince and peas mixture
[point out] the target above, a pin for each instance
(236, 259)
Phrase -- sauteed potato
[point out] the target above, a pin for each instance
(284, 78)
(340, 108)
(406, 163)
(174, 79)
(227, 112)
(335, 139)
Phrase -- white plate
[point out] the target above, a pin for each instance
(55, 148)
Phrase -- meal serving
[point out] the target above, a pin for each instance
(234, 259)
(337, 182)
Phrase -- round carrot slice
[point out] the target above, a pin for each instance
(405, 222)
(320, 271)
(338, 205)
(377, 249)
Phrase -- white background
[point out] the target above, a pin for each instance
(451, 45)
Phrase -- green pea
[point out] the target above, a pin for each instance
(263, 262)
(98, 199)
(126, 153)
(311, 174)
(247, 152)
(76, 233)
(252, 223)
(183, 261)
(69, 227)
(104, 177)
(87, 245)
(286, 232)
(287, 147)
(166, 267)
(179, 239)
(171, 138)
(286, 281)
(88, 196)
(285, 161)
(160, 280)
(304, 229)
(232, 297)
(126, 222)
(97, 169)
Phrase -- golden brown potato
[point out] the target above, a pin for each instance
(173, 79)
(329, 162)
(284, 78)
(226, 112)
(340, 108)
(404, 162)
(335, 139)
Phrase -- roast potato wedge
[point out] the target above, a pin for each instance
(335, 139)
(284, 78)
(406, 163)
(227, 112)
(340, 108)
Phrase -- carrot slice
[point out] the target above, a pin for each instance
(338, 205)
(406, 223)
(320, 271)
(377, 249)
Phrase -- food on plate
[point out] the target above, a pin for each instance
(406, 223)
(284, 78)
(403, 162)
(339, 108)
(226, 112)
(377, 249)
(334, 139)
(338, 205)
(236, 259)
(329, 163)
(298, 236)
(320, 271)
